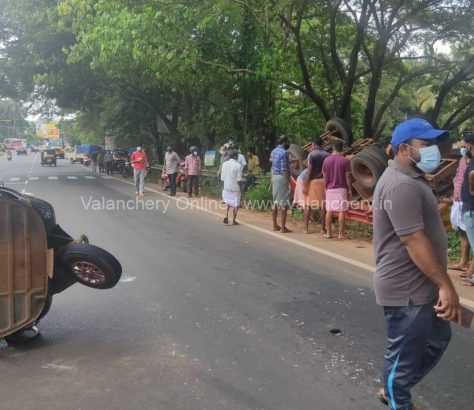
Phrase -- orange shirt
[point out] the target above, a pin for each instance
(138, 159)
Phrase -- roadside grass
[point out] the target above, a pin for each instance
(454, 246)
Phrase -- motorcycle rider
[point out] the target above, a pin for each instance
(9, 154)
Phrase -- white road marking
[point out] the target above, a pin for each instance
(33, 178)
(88, 177)
(53, 178)
(14, 179)
(58, 367)
(71, 177)
(126, 279)
(107, 177)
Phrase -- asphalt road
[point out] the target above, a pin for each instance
(206, 317)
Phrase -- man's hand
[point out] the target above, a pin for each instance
(305, 190)
(448, 307)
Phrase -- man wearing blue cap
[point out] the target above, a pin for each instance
(411, 280)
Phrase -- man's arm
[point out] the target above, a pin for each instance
(308, 179)
(422, 253)
(471, 182)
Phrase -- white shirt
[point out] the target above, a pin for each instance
(231, 175)
(242, 160)
(172, 161)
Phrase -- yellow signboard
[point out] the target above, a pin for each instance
(47, 131)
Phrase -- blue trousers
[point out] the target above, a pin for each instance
(416, 341)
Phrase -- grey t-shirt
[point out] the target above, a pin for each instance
(404, 204)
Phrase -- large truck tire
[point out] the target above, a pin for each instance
(340, 129)
(367, 167)
(297, 159)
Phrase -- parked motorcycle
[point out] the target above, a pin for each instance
(127, 169)
(38, 260)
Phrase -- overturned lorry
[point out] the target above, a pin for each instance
(369, 159)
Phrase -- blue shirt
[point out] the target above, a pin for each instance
(280, 160)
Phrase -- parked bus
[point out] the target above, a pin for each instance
(14, 143)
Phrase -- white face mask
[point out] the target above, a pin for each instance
(430, 158)
(195, 153)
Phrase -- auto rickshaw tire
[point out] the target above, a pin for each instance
(340, 129)
(74, 254)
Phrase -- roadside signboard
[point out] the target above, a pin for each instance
(209, 158)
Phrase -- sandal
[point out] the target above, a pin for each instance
(459, 268)
(226, 220)
(381, 397)
(466, 282)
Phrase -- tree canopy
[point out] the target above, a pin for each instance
(162, 72)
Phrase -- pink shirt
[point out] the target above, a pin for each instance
(459, 178)
(192, 165)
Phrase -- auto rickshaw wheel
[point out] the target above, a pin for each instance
(91, 266)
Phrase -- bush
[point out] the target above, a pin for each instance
(210, 187)
(259, 196)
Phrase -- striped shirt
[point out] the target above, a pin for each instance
(459, 178)
(280, 160)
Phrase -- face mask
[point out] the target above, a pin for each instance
(463, 151)
(195, 153)
(430, 159)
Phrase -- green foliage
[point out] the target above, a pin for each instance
(454, 246)
(259, 196)
(210, 187)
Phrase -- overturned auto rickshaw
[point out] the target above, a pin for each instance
(38, 260)
(48, 157)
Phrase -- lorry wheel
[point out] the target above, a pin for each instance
(341, 129)
(367, 167)
(297, 159)
(92, 266)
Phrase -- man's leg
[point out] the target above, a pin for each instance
(276, 227)
(196, 185)
(329, 216)
(408, 329)
(342, 223)
(284, 213)
(142, 181)
(307, 214)
(438, 341)
(236, 210)
(322, 214)
(172, 179)
(136, 178)
(189, 183)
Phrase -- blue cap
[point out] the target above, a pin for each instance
(416, 128)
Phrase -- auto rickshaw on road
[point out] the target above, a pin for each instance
(48, 157)
(38, 259)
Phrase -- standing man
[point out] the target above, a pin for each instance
(101, 161)
(109, 159)
(338, 184)
(411, 280)
(139, 164)
(192, 167)
(281, 183)
(313, 189)
(243, 162)
(171, 167)
(252, 166)
(231, 176)
(467, 197)
(94, 157)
